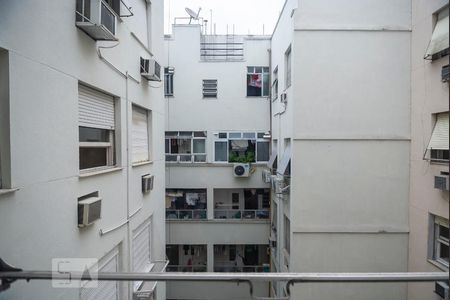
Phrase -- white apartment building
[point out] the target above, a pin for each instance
(341, 143)
(429, 196)
(80, 125)
(218, 108)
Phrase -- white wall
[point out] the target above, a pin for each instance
(48, 57)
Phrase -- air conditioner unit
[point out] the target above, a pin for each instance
(277, 184)
(89, 211)
(96, 19)
(147, 183)
(283, 98)
(143, 295)
(441, 288)
(146, 291)
(241, 170)
(150, 69)
(441, 182)
(444, 74)
(266, 176)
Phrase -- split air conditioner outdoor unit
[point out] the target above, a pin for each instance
(143, 293)
(241, 170)
(150, 69)
(89, 211)
(278, 184)
(441, 288)
(266, 176)
(97, 19)
(147, 183)
(441, 182)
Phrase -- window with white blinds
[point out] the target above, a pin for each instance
(438, 45)
(96, 122)
(108, 290)
(140, 135)
(141, 250)
(438, 146)
(96, 109)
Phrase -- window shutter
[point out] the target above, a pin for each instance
(139, 135)
(106, 289)
(285, 160)
(95, 109)
(439, 39)
(439, 138)
(141, 248)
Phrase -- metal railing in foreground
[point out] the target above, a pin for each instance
(9, 274)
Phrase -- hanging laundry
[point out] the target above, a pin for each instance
(256, 80)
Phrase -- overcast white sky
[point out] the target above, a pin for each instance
(248, 16)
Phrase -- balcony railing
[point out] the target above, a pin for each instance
(185, 214)
(241, 214)
(186, 268)
(243, 269)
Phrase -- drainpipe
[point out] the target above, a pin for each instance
(130, 285)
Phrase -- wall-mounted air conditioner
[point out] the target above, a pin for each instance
(441, 288)
(266, 176)
(141, 295)
(147, 183)
(241, 170)
(278, 184)
(444, 74)
(441, 182)
(97, 19)
(283, 98)
(89, 211)
(150, 69)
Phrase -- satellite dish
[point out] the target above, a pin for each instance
(192, 14)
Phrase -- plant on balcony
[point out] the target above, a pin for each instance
(248, 157)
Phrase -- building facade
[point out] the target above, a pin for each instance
(341, 143)
(429, 196)
(79, 135)
(217, 205)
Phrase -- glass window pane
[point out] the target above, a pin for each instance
(185, 157)
(171, 157)
(248, 135)
(185, 133)
(266, 69)
(171, 133)
(200, 158)
(254, 84)
(180, 146)
(167, 145)
(235, 135)
(220, 151)
(262, 151)
(199, 133)
(443, 253)
(258, 70)
(443, 232)
(260, 135)
(93, 134)
(92, 157)
(265, 85)
(250, 69)
(199, 146)
(222, 135)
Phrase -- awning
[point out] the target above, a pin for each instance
(273, 158)
(439, 39)
(285, 160)
(439, 138)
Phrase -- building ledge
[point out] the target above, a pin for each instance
(142, 163)
(99, 172)
(8, 191)
(220, 221)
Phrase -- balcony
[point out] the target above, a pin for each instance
(186, 258)
(186, 204)
(242, 204)
(241, 258)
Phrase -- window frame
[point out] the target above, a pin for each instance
(109, 146)
(435, 241)
(168, 81)
(257, 139)
(275, 84)
(192, 137)
(288, 67)
(265, 72)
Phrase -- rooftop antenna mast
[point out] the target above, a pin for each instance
(192, 14)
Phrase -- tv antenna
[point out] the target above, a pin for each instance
(192, 14)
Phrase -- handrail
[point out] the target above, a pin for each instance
(245, 214)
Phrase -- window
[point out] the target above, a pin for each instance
(5, 150)
(141, 250)
(210, 88)
(168, 81)
(275, 84)
(186, 204)
(438, 145)
(96, 128)
(258, 81)
(186, 146)
(243, 147)
(287, 234)
(288, 67)
(140, 135)
(438, 46)
(438, 240)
